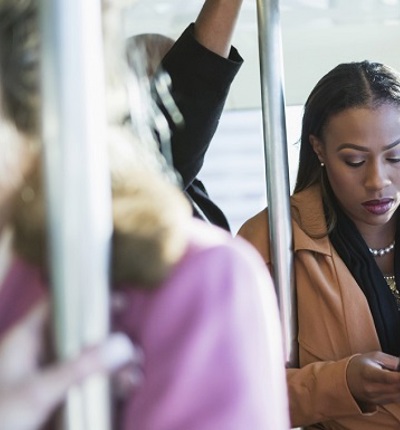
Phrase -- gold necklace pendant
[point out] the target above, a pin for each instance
(391, 283)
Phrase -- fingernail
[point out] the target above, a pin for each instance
(119, 351)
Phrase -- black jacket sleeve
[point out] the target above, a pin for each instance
(200, 84)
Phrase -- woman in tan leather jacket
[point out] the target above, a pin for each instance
(347, 252)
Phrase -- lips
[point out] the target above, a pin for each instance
(378, 207)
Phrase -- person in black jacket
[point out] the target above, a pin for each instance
(202, 65)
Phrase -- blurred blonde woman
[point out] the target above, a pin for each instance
(199, 305)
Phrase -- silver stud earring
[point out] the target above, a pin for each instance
(322, 164)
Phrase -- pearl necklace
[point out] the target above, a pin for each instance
(382, 251)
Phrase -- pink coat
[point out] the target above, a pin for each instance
(210, 335)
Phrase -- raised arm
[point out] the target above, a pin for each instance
(215, 25)
(202, 65)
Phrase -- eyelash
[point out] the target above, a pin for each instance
(360, 163)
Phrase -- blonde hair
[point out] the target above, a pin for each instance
(149, 212)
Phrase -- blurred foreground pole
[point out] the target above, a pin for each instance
(277, 172)
(78, 192)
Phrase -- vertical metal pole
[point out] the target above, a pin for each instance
(276, 166)
(78, 192)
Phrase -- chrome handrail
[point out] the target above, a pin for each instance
(78, 192)
(276, 167)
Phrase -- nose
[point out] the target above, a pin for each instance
(377, 176)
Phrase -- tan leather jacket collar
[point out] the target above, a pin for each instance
(309, 226)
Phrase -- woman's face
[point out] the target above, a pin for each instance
(361, 152)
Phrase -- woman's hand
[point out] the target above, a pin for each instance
(373, 380)
(28, 394)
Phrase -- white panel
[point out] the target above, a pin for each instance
(317, 35)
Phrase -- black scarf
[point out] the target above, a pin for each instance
(353, 250)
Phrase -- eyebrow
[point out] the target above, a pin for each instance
(363, 148)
